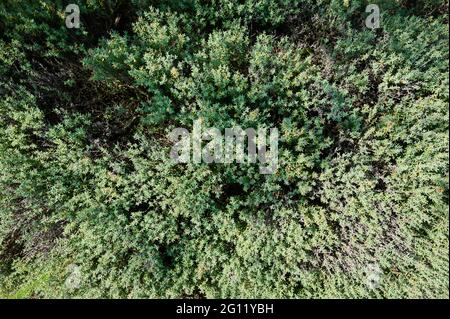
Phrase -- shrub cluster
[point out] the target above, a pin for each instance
(357, 208)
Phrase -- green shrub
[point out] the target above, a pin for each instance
(86, 181)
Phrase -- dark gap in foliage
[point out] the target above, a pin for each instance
(232, 189)
(166, 256)
(13, 248)
(141, 207)
(119, 18)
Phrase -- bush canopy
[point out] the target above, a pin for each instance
(91, 205)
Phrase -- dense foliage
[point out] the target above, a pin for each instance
(357, 208)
